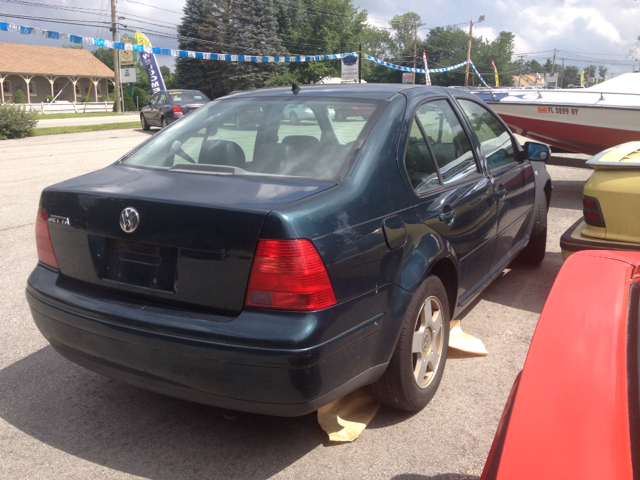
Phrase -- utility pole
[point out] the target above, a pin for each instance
(116, 57)
(466, 76)
(415, 46)
(562, 74)
(553, 67)
(360, 63)
(521, 65)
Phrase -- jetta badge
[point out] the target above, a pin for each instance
(129, 219)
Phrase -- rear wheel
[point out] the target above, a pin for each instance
(164, 123)
(534, 252)
(293, 118)
(145, 126)
(340, 116)
(415, 370)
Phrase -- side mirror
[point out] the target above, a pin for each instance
(536, 152)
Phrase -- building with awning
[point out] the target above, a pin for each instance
(40, 71)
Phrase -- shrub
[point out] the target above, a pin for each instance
(48, 98)
(83, 99)
(17, 121)
(19, 97)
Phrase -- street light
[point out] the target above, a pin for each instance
(466, 77)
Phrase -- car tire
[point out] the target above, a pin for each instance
(415, 370)
(340, 116)
(238, 122)
(534, 252)
(164, 122)
(145, 126)
(293, 118)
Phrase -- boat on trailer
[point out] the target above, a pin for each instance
(585, 120)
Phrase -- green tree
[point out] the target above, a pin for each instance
(447, 46)
(533, 66)
(590, 71)
(19, 97)
(190, 72)
(253, 32)
(602, 72)
(403, 27)
(308, 29)
(570, 75)
(105, 55)
(377, 42)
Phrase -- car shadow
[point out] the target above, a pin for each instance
(521, 286)
(442, 476)
(567, 194)
(142, 433)
(148, 132)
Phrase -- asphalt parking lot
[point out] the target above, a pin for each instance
(58, 420)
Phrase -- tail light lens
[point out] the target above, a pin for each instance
(592, 212)
(289, 275)
(177, 111)
(43, 240)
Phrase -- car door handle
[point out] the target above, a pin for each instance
(501, 192)
(447, 216)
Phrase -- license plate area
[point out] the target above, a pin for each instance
(139, 264)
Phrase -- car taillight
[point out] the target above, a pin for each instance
(592, 212)
(289, 275)
(177, 110)
(43, 240)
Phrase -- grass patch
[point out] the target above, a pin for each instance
(84, 128)
(53, 116)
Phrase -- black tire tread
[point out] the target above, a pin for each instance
(533, 254)
(394, 388)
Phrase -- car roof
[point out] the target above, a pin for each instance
(373, 91)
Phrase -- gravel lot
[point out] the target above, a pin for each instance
(60, 421)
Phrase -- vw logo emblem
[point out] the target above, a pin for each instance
(129, 219)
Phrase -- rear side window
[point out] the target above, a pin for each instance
(496, 142)
(419, 162)
(299, 137)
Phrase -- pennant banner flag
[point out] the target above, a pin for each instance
(147, 48)
(495, 71)
(150, 64)
(428, 78)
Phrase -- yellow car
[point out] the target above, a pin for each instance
(611, 204)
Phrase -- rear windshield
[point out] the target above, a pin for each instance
(186, 96)
(309, 137)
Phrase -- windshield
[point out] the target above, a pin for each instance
(297, 137)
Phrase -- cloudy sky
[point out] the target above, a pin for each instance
(584, 32)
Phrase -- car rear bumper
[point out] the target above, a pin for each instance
(573, 241)
(194, 365)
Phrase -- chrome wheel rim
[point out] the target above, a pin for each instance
(428, 342)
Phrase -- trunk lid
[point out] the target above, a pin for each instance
(193, 245)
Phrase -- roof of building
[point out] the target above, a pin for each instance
(529, 80)
(38, 60)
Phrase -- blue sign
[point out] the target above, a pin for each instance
(153, 72)
(350, 60)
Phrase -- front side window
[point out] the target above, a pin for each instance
(496, 142)
(262, 136)
(449, 143)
